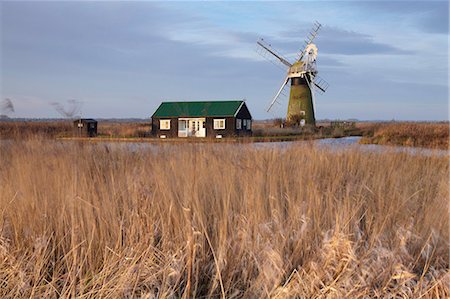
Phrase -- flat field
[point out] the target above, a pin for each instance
(220, 220)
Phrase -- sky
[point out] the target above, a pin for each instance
(383, 60)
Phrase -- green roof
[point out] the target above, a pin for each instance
(198, 109)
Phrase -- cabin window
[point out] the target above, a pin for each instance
(164, 124)
(219, 124)
(239, 123)
(248, 124)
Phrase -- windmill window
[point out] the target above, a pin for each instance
(164, 124)
(239, 123)
(219, 124)
(302, 112)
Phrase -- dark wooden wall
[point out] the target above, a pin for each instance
(173, 132)
(89, 129)
(229, 131)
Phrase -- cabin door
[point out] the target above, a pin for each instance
(191, 127)
(182, 128)
(197, 127)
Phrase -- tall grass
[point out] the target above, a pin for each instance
(64, 128)
(27, 129)
(124, 129)
(430, 135)
(204, 220)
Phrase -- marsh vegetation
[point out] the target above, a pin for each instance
(198, 220)
(427, 135)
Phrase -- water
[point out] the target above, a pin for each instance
(353, 143)
(326, 142)
(332, 144)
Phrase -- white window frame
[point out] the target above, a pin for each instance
(219, 124)
(164, 124)
(248, 125)
(239, 123)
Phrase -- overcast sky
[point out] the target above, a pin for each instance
(383, 60)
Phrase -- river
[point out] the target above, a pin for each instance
(343, 143)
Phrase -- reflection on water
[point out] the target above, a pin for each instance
(353, 143)
(327, 142)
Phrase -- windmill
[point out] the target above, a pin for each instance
(304, 80)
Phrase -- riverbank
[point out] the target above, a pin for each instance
(425, 135)
(250, 139)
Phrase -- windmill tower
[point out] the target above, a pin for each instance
(304, 81)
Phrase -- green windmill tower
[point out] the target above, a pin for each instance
(304, 81)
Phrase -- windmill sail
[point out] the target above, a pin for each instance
(312, 35)
(280, 91)
(321, 84)
(265, 49)
(303, 78)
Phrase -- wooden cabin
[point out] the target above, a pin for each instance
(214, 119)
(85, 127)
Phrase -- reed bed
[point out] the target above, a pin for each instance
(428, 135)
(64, 128)
(211, 221)
(30, 129)
(124, 129)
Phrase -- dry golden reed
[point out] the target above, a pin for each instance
(220, 220)
(429, 135)
(27, 129)
(52, 129)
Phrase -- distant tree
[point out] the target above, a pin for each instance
(7, 106)
(72, 110)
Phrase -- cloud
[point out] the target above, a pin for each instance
(427, 16)
(222, 42)
(436, 21)
(109, 53)
(334, 40)
(339, 41)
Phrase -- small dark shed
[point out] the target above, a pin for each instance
(214, 119)
(85, 127)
